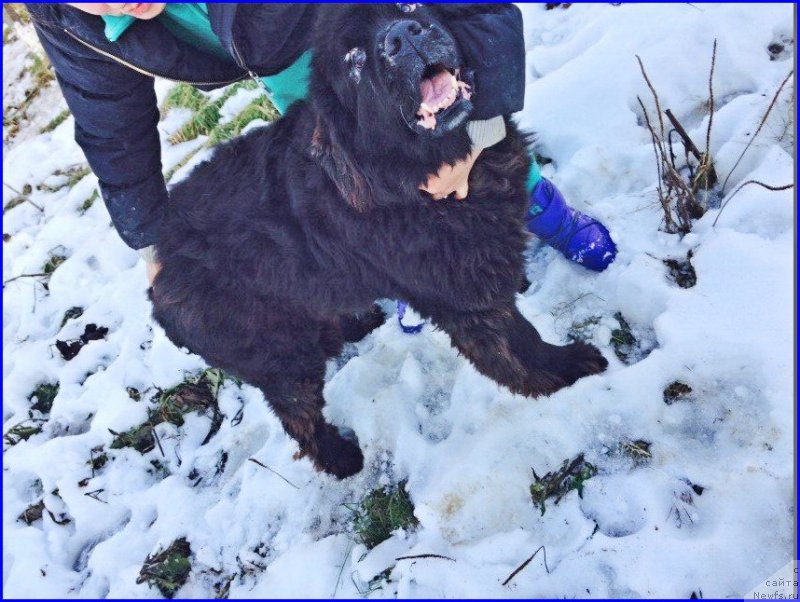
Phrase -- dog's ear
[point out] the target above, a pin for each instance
(340, 167)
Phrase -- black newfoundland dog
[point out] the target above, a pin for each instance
(275, 249)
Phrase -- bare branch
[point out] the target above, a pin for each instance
(711, 98)
(24, 196)
(735, 192)
(425, 556)
(687, 141)
(273, 472)
(654, 138)
(760, 125)
(655, 95)
(24, 276)
(527, 562)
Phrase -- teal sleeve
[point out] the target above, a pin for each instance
(291, 84)
(534, 175)
(116, 25)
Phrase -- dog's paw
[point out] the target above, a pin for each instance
(581, 359)
(562, 369)
(338, 455)
(356, 326)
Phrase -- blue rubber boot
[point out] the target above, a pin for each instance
(577, 236)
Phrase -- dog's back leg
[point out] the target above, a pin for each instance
(504, 346)
(291, 377)
(298, 404)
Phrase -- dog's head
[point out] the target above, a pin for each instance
(390, 66)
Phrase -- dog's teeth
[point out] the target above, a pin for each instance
(454, 82)
(425, 107)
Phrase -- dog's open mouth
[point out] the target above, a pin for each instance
(440, 89)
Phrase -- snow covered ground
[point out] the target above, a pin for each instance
(690, 496)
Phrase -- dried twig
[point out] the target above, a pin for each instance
(760, 126)
(687, 141)
(95, 495)
(25, 276)
(24, 196)
(273, 472)
(677, 197)
(344, 560)
(425, 556)
(656, 148)
(527, 562)
(762, 184)
(711, 98)
(157, 439)
(655, 95)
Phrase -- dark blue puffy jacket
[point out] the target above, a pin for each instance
(109, 89)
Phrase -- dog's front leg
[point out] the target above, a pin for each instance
(504, 346)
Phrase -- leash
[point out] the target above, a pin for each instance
(401, 312)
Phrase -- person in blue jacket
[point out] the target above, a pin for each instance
(106, 56)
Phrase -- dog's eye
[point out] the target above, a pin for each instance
(407, 8)
(356, 58)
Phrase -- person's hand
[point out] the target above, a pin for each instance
(152, 270)
(451, 179)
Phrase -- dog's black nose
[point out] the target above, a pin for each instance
(401, 37)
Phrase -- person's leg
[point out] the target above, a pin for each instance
(577, 236)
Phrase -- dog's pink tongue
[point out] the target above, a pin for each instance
(436, 89)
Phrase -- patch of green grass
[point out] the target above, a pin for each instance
(41, 71)
(140, 438)
(206, 117)
(71, 314)
(73, 176)
(8, 35)
(198, 394)
(76, 174)
(583, 330)
(53, 262)
(87, 204)
(44, 394)
(260, 108)
(168, 570)
(205, 121)
(200, 124)
(17, 12)
(194, 395)
(185, 96)
(382, 512)
(622, 339)
(97, 461)
(171, 172)
(21, 432)
(56, 121)
(15, 202)
(570, 476)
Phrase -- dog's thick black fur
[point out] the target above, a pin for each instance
(275, 249)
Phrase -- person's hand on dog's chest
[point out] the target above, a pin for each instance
(451, 179)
